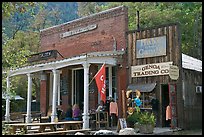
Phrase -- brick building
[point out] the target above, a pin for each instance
(74, 52)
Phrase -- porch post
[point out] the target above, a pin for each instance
(7, 115)
(86, 96)
(54, 98)
(29, 95)
(58, 89)
(110, 80)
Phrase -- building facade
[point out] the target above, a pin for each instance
(148, 60)
(157, 68)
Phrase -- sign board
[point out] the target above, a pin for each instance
(43, 56)
(150, 69)
(173, 104)
(121, 123)
(78, 30)
(151, 47)
(173, 72)
(64, 85)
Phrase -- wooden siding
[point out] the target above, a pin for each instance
(192, 100)
(173, 54)
(173, 51)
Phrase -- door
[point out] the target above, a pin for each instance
(78, 87)
(165, 103)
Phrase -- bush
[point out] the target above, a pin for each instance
(134, 118)
(147, 118)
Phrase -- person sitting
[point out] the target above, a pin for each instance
(49, 113)
(101, 108)
(68, 115)
(59, 112)
(76, 112)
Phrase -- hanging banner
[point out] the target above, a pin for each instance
(100, 78)
(150, 69)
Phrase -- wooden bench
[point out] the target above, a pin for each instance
(60, 132)
(67, 125)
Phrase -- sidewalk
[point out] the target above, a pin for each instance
(165, 131)
(160, 131)
(168, 131)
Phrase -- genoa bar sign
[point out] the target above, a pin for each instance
(151, 69)
(78, 30)
(43, 56)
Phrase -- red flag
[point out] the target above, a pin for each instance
(101, 82)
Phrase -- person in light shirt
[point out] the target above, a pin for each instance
(114, 112)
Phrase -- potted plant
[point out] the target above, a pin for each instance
(132, 119)
(146, 122)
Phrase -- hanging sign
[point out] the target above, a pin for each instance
(173, 72)
(150, 69)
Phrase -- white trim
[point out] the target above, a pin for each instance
(110, 80)
(50, 88)
(95, 57)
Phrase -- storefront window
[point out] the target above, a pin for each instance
(145, 98)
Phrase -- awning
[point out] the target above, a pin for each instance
(142, 87)
(17, 97)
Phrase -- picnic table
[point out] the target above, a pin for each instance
(35, 117)
(67, 125)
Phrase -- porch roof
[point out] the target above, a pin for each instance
(107, 57)
(191, 63)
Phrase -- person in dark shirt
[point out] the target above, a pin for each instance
(107, 104)
(59, 112)
(155, 104)
(68, 115)
(155, 107)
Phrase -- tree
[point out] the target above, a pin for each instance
(9, 8)
(88, 8)
(152, 14)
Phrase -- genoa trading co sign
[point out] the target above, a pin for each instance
(78, 30)
(151, 69)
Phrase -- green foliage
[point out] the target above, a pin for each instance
(88, 8)
(147, 118)
(133, 118)
(141, 117)
(9, 8)
(6, 130)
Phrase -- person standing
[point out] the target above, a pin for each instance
(168, 115)
(155, 108)
(113, 112)
(107, 104)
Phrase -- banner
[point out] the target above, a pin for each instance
(100, 78)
